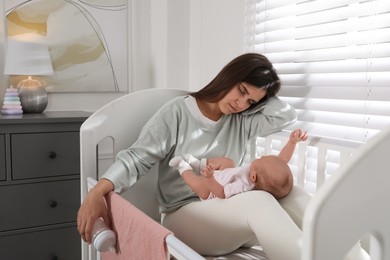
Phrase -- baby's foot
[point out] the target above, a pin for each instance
(195, 163)
(180, 164)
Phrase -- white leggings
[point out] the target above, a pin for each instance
(219, 226)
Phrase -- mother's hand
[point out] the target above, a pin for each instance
(93, 207)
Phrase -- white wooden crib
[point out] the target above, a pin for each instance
(356, 191)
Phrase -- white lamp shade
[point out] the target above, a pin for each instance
(27, 58)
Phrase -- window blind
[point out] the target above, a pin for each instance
(333, 59)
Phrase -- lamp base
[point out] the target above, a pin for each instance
(33, 96)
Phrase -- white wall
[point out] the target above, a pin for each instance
(173, 43)
(216, 37)
(189, 41)
(202, 36)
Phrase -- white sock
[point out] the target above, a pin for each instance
(180, 164)
(194, 162)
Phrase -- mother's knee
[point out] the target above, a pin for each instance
(295, 204)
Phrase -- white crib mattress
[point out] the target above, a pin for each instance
(253, 253)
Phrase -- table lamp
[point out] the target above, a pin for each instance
(29, 59)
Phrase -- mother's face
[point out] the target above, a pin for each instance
(240, 98)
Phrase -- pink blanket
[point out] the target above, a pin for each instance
(138, 236)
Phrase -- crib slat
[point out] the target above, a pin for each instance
(321, 165)
(268, 145)
(301, 165)
(344, 156)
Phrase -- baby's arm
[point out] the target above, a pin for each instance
(214, 186)
(220, 163)
(288, 150)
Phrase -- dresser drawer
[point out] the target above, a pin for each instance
(2, 157)
(45, 154)
(59, 243)
(32, 205)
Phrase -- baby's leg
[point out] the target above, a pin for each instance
(195, 163)
(196, 183)
(180, 164)
(220, 226)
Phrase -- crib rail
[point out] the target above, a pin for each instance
(313, 161)
(176, 248)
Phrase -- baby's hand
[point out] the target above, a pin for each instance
(298, 136)
(207, 171)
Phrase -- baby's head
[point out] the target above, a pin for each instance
(272, 174)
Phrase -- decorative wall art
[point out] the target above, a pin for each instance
(87, 41)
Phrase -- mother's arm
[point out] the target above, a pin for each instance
(269, 117)
(92, 208)
(153, 144)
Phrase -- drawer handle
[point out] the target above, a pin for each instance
(53, 204)
(52, 155)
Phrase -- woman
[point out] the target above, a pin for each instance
(239, 104)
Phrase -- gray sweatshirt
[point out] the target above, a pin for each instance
(174, 131)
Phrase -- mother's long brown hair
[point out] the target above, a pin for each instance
(252, 68)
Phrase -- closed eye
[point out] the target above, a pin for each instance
(251, 102)
(244, 91)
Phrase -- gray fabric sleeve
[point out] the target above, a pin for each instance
(272, 116)
(154, 143)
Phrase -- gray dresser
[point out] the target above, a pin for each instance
(40, 185)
